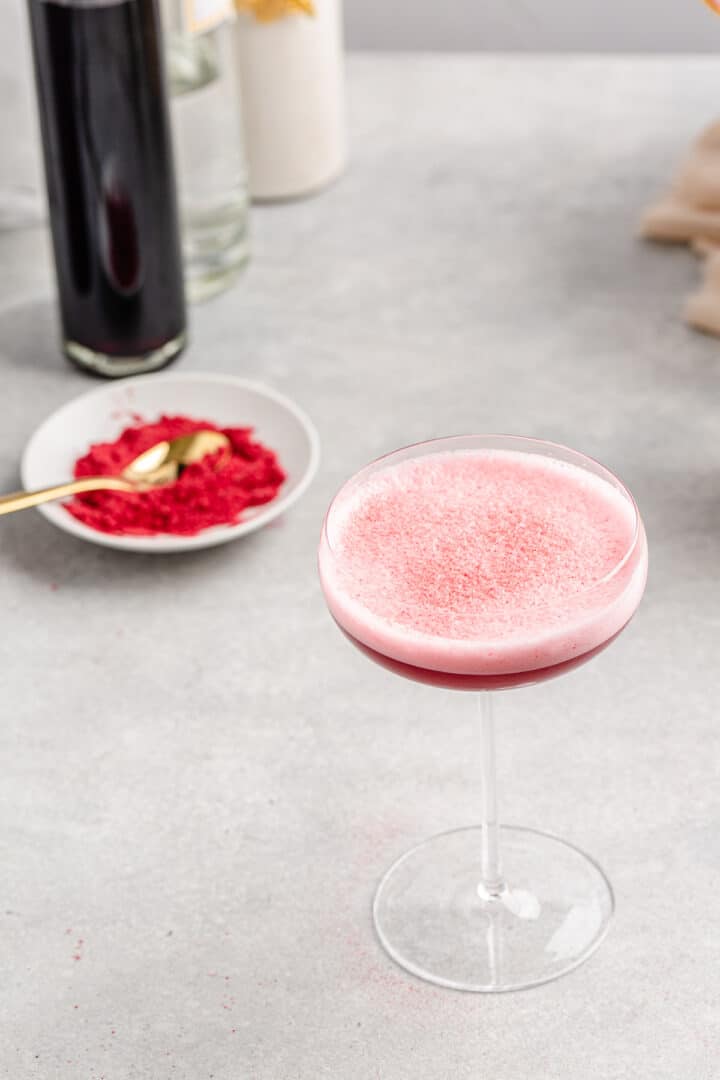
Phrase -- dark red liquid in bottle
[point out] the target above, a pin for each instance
(110, 179)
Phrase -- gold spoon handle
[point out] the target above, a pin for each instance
(21, 500)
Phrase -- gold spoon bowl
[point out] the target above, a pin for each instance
(157, 467)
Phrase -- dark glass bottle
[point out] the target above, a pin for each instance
(110, 179)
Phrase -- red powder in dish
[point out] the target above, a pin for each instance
(203, 496)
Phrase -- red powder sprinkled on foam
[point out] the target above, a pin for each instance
(477, 543)
(203, 496)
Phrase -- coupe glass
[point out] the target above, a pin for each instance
(491, 907)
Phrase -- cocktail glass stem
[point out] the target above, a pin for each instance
(491, 885)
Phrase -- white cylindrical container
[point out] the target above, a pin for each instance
(291, 76)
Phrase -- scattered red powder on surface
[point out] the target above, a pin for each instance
(203, 496)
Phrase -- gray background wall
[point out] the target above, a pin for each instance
(556, 25)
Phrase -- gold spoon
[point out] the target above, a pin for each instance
(156, 467)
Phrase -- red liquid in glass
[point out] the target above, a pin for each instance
(449, 681)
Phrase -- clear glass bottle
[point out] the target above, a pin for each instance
(209, 146)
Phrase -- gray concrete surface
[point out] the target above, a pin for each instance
(202, 782)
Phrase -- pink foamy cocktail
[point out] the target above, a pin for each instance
(479, 563)
(482, 568)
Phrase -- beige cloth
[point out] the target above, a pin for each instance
(690, 214)
(702, 308)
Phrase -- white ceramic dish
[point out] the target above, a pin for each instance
(101, 415)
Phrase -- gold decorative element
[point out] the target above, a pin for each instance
(270, 10)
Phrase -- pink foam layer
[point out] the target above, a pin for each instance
(481, 561)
